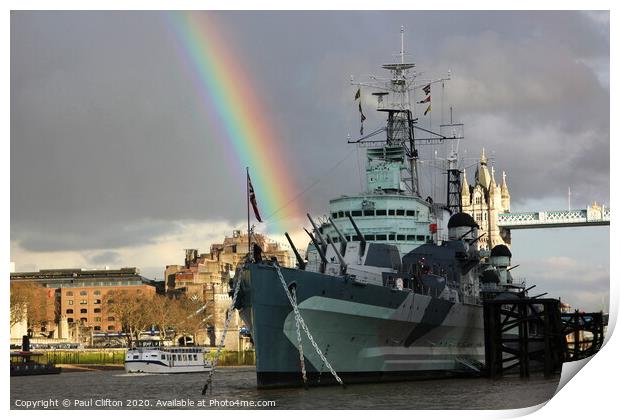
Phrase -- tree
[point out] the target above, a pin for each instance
(28, 300)
(193, 316)
(165, 315)
(131, 311)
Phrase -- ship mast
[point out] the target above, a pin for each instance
(395, 98)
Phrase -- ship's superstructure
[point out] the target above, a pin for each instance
(392, 209)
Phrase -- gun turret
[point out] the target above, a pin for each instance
(359, 235)
(343, 265)
(319, 250)
(318, 233)
(343, 241)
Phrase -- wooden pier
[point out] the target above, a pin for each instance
(533, 335)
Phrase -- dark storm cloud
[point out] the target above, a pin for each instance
(108, 129)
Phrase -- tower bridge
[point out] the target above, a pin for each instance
(593, 215)
(488, 202)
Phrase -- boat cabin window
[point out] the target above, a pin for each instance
(420, 238)
(381, 212)
(196, 357)
(381, 237)
(411, 237)
(400, 212)
(390, 212)
(174, 357)
(392, 237)
(355, 213)
(369, 212)
(163, 357)
(340, 214)
(410, 212)
(400, 237)
(334, 215)
(369, 237)
(136, 356)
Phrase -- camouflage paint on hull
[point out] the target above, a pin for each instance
(368, 333)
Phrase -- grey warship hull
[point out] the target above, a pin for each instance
(368, 333)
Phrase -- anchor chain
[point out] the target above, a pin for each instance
(301, 349)
(222, 339)
(305, 327)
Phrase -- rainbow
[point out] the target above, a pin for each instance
(247, 135)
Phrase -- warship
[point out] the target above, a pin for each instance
(392, 283)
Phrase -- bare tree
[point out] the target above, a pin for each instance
(165, 314)
(193, 316)
(131, 310)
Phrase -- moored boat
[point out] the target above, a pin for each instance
(152, 357)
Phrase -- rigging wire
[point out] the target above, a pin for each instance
(302, 192)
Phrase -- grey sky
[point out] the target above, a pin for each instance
(111, 151)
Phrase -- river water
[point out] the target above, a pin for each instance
(234, 387)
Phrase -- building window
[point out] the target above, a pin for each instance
(84, 320)
(69, 311)
(83, 311)
(97, 292)
(97, 301)
(70, 320)
(139, 291)
(97, 319)
(97, 310)
(97, 328)
(83, 302)
(110, 327)
(69, 293)
(83, 293)
(70, 302)
(110, 318)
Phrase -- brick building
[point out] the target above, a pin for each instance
(76, 298)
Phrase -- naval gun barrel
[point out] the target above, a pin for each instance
(319, 250)
(343, 241)
(300, 262)
(318, 233)
(359, 235)
(343, 264)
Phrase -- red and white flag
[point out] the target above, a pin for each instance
(253, 199)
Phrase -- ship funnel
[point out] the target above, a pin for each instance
(359, 235)
(319, 250)
(343, 241)
(300, 262)
(343, 265)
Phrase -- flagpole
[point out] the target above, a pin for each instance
(247, 197)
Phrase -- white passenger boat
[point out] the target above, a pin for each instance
(151, 357)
